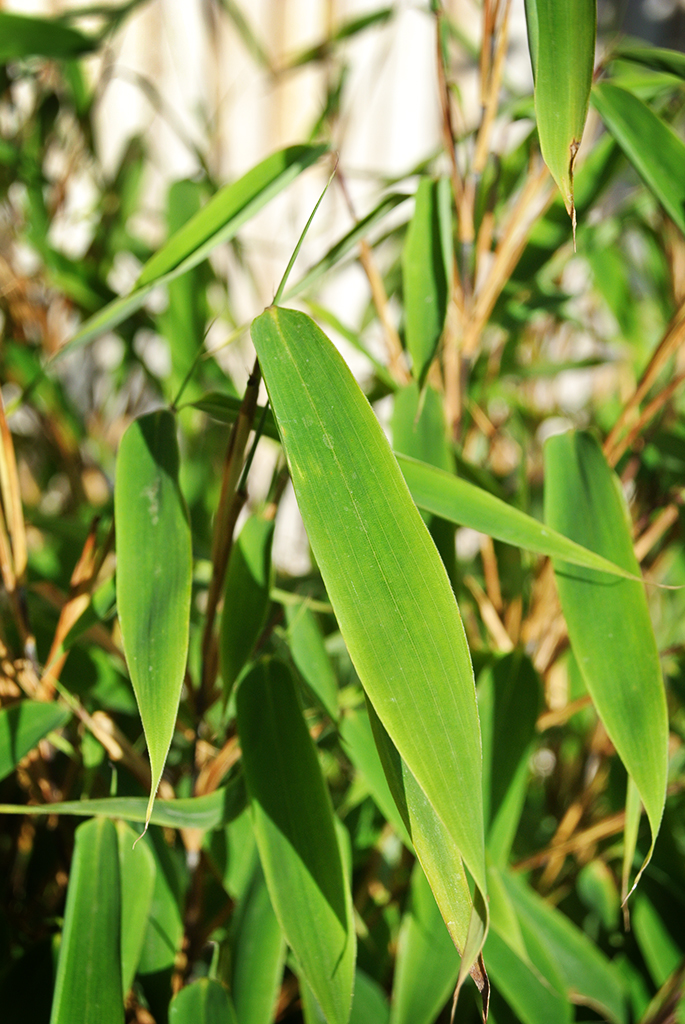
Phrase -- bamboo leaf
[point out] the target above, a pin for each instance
(462, 502)
(164, 932)
(671, 62)
(561, 38)
(137, 881)
(246, 597)
(425, 274)
(216, 223)
(427, 963)
(22, 726)
(293, 825)
(608, 620)
(652, 147)
(154, 577)
(258, 954)
(385, 580)
(310, 656)
(23, 36)
(88, 984)
(202, 812)
(203, 1002)
(533, 1000)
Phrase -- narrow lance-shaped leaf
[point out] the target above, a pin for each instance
(88, 985)
(561, 38)
(425, 274)
(653, 148)
(22, 726)
(204, 1002)
(608, 619)
(257, 953)
(154, 576)
(293, 825)
(137, 877)
(24, 36)
(216, 223)
(385, 580)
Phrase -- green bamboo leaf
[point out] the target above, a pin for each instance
(154, 576)
(671, 62)
(137, 882)
(23, 36)
(216, 223)
(246, 597)
(164, 932)
(425, 274)
(225, 409)
(652, 147)
(561, 38)
(202, 812)
(508, 700)
(203, 1002)
(88, 984)
(293, 824)
(385, 580)
(556, 945)
(531, 997)
(608, 620)
(22, 726)
(258, 954)
(462, 502)
(427, 964)
(369, 1003)
(310, 656)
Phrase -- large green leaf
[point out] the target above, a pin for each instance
(427, 963)
(556, 945)
(652, 147)
(295, 833)
(203, 1002)
(164, 932)
(310, 656)
(425, 273)
(531, 997)
(216, 223)
(137, 877)
(246, 597)
(154, 576)
(561, 37)
(608, 619)
(383, 575)
(258, 954)
(24, 36)
(203, 812)
(462, 502)
(88, 984)
(22, 726)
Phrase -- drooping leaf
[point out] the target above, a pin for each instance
(383, 575)
(561, 37)
(425, 274)
(653, 148)
(25, 36)
(508, 700)
(137, 882)
(202, 812)
(203, 1002)
(22, 726)
(463, 503)
(225, 409)
(246, 597)
(216, 223)
(293, 825)
(310, 656)
(608, 619)
(164, 932)
(670, 61)
(88, 985)
(154, 576)
(587, 976)
(427, 964)
(258, 954)
(531, 997)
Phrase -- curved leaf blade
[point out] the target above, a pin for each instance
(22, 726)
(137, 872)
(295, 833)
(24, 36)
(258, 954)
(652, 147)
(154, 576)
(384, 577)
(216, 223)
(88, 985)
(608, 620)
(561, 38)
(203, 1002)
